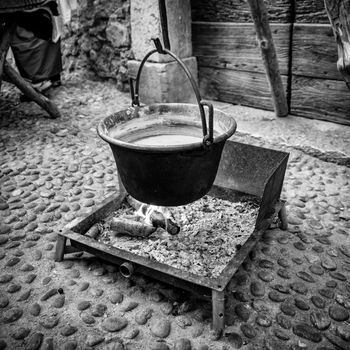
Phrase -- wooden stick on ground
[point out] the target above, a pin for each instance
(131, 227)
(13, 77)
(269, 57)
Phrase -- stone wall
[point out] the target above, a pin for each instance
(98, 40)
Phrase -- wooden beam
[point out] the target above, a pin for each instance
(314, 51)
(268, 53)
(233, 45)
(320, 99)
(339, 15)
(13, 77)
(238, 87)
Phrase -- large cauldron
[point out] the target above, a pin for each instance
(167, 175)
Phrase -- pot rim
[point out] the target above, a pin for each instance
(171, 148)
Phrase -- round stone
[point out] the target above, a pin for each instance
(263, 320)
(328, 264)
(338, 313)
(12, 314)
(283, 262)
(343, 332)
(160, 328)
(266, 276)
(20, 333)
(318, 301)
(316, 269)
(68, 330)
(4, 301)
(281, 288)
(59, 301)
(281, 334)
(266, 264)
(83, 305)
(132, 333)
(69, 345)
(320, 320)
(276, 296)
(305, 331)
(26, 267)
(87, 318)
(338, 276)
(305, 276)
(283, 321)
(301, 304)
(35, 309)
(4, 239)
(288, 308)
(98, 310)
(143, 316)
(13, 261)
(300, 245)
(49, 322)
(30, 278)
(234, 339)
(84, 286)
(34, 341)
(323, 240)
(299, 287)
(257, 289)
(248, 330)
(130, 306)
(284, 273)
(116, 297)
(6, 278)
(243, 312)
(182, 344)
(327, 293)
(94, 339)
(114, 324)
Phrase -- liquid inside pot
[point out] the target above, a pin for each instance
(157, 133)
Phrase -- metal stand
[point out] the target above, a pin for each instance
(201, 287)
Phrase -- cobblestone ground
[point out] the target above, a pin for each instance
(292, 292)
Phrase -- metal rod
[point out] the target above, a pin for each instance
(188, 73)
(164, 23)
(218, 301)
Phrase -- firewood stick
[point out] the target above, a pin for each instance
(159, 220)
(93, 231)
(131, 227)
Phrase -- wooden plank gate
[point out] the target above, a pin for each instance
(230, 67)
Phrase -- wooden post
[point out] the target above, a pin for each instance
(14, 78)
(268, 52)
(339, 15)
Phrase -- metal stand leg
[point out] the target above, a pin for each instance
(218, 302)
(282, 214)
(60, 247)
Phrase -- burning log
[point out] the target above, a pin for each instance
(159, 220)
(155, 217)
(131, 227)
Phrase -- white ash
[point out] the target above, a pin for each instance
(211, 229)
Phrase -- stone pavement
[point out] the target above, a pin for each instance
(292, 292)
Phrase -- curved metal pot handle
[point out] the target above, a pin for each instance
(207, 137)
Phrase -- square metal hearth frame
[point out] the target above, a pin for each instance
(236, 178)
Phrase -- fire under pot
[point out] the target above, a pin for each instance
(246, 193)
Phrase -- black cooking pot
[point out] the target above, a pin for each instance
(167, 174)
